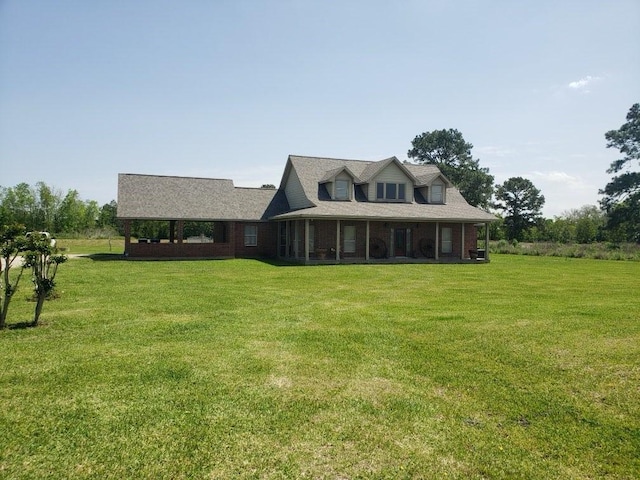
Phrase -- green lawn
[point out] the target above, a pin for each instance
(527, 367)
(84, 246)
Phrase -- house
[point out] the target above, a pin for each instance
(325, 211)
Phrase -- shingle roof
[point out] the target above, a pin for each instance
(310, 170)
(188, 198)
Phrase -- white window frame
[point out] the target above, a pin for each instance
(336, 195)
(250, 235)
(447, 240)
(385, 191)
(349, 239)
(437, 193)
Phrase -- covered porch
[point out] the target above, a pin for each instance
(179, 239)
(329, 241)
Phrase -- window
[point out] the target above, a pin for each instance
(342, 190)
(436, 193)
(390, 191)
(250, 236)
(447, 244)
(349, 239)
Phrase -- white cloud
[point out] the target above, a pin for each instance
(560, 177)
(583, 84)
(563, 191)
(495, 151)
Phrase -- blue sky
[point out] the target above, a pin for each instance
(228, 89)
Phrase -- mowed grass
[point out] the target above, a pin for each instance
(528, 367)
(85, 246)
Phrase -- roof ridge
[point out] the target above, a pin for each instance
(188, 177)
(339, 159)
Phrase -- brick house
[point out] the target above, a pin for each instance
(324, 211)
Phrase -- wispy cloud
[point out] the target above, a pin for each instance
(583, 85)
(495, 151)
(564, 178)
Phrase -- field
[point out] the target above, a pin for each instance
(527, 367)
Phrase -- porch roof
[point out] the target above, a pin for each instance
(156, 197)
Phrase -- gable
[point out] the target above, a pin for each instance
(391, 173)
(294, 191)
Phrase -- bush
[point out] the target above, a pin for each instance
(600, 251)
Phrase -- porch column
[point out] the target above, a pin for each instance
(287, 242)
(172, 231)
(306, 240)
(127, 236)
(232, 239)
(366, 245)
(486, 242)
(180, 224)
(462, 244)
(337, 240)
(437, 240)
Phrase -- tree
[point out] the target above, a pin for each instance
(48, 202)
(521, 202)
(11, 244)
(70, 214)
(268, 186)
(42, 257)
(107, 216)
(448, 150)
(622, 193)
(19, 206)
(589, 221)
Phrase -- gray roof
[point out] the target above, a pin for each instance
(187, 198)
(311, 170)
(155, 197)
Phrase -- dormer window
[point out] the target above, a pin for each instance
(390, 191)
(341, 189)
(437, 195)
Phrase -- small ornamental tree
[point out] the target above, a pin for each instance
(11, 245)
(43, 260)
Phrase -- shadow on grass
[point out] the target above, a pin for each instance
(20, 325)
(105, 257)
(109, 257)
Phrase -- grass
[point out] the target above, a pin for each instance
(86, 246)
(526, 367)
(598, 251)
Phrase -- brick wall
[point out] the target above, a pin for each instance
(267, 240)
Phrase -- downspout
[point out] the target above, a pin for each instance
(437, 256)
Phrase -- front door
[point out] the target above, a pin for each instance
(400, 242)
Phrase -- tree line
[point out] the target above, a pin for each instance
(44, 208)
(517, 201)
